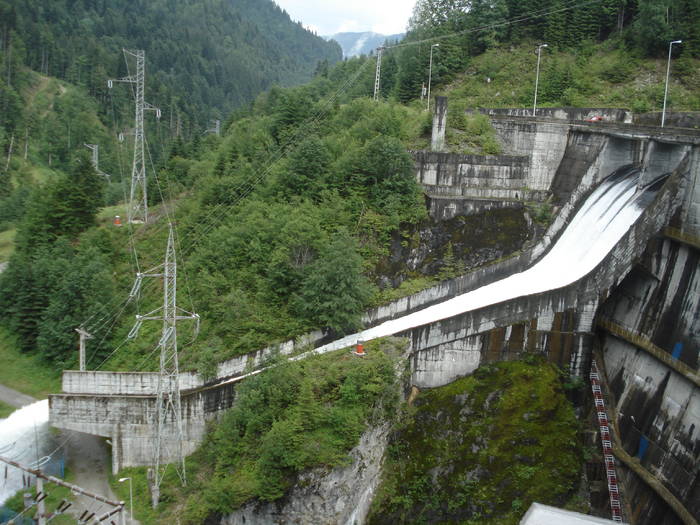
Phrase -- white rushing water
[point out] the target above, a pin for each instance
(595, 229)
(25, 438)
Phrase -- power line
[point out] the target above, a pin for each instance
(521, 18)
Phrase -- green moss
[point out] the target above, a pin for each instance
(482, 449)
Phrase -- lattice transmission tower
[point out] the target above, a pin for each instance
(168, 446)
(377, 75)
(137, 211)
(95, 149)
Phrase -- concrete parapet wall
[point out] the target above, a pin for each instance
(240, 364)
(609, 114)
(677, 119)
(120, 383)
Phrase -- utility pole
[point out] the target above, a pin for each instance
(430, 72)
(377, 75)
(168, 392)
(138, 198)
(95, 149)
(668, 71)
(537, 77)
(84, 334)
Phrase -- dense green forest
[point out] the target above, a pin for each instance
(204, 58)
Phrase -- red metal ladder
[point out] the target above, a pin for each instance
(606, 440)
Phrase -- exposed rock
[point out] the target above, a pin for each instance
(341, 496)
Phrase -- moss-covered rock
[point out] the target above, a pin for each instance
(482, 449)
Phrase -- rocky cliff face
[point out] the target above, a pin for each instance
(341, 496)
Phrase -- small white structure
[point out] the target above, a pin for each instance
(539, 514)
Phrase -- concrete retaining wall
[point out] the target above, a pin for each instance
(128, 421)
(452, 171)
(544, 142)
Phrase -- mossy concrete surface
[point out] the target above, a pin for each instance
(482, 449)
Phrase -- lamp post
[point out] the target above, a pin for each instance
(537, 76)
(430, 71)
(668, 71)
(131, 498)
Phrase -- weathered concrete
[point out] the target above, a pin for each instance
(128, 420)
(437, 142)
(561, 321)
(674, 119)
(569, 114)
(657, 391)
(659, 412)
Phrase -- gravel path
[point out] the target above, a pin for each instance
(14, 398)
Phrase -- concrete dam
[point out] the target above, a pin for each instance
(636, 304)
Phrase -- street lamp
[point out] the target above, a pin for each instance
(537, 77)
(430, 71)
(668, 70)
(131, 498)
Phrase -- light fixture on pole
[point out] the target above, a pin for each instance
(131, 498)
(537, 77)
(668, 71)
(430, 71)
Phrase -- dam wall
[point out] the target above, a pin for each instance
(558, 323)
(649, 332)
(586, 160)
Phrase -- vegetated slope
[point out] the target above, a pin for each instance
(482, 449)
(296, 416)
(204, 57)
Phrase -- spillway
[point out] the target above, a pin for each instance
(25, 438)
(599, 224)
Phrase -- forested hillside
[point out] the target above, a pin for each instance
(204, 57)
(465, 29)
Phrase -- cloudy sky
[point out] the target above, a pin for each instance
(328, 17)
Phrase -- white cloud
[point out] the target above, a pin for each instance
(335, 16)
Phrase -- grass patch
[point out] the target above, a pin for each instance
(5, 410)
(26, 373)
(7, 244)
(54, 495)
(482, 449)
